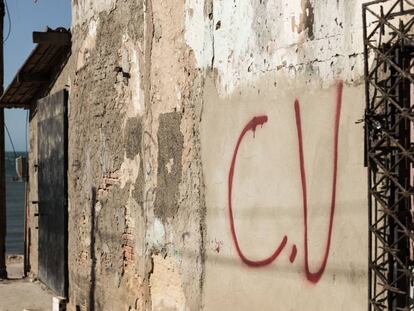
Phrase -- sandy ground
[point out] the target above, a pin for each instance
(18, 294)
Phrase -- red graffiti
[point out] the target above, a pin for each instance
(293, 253)
(313, 277)
(251, 126)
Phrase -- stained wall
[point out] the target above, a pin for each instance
(282, 156)
(215, 156)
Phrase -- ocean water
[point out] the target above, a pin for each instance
(15, 202)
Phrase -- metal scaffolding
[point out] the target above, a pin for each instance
(389, 151)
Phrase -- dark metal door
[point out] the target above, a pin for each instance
(52, 189)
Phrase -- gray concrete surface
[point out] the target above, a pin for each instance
(17, 294)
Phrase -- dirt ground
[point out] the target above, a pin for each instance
(18, 293)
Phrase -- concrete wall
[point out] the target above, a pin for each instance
(283, 157)
(293, 255)
(214, 158)
(32, 189)
(134, 163)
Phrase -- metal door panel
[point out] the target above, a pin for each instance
(52, 191)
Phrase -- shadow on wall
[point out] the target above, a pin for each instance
(92, 252)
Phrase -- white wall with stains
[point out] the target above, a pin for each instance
(286, 211)
(84, 10)
(250, 38)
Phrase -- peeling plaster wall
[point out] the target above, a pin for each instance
(136, 203)
(108, 263)
(160, 94)
(84, 10)
(319, 40)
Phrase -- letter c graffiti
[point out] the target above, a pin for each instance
(251, 126)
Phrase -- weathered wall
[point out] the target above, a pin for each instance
(33, 196)
(107, 265)
(134, 165)
(205, 135)
(283, 158)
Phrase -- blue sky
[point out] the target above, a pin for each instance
(26, 17)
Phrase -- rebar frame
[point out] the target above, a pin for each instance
(389, 151)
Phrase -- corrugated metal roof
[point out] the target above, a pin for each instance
(38, 74)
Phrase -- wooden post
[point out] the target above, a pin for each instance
(3, 270)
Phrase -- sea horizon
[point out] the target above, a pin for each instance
(15, 205)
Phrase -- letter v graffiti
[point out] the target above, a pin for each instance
(314, 277)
